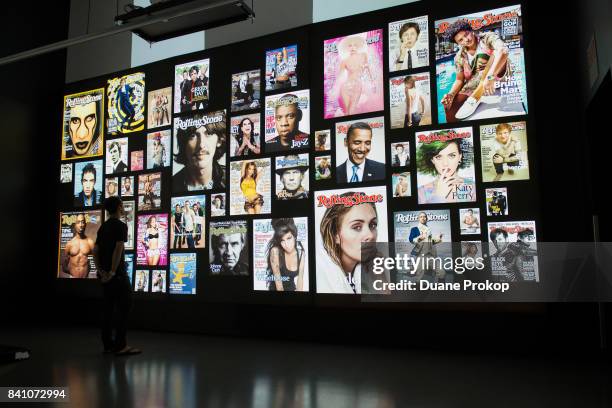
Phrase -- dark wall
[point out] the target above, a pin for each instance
(229, 306)
(99, 56)
(559, 115)
(29, 126)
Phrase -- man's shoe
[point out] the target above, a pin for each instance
(128, 351)
(468, 108)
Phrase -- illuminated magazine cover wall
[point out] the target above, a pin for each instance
(262, 166)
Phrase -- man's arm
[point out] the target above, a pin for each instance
(66, 261)
(414, 234)
(96, 257)
(117, 256)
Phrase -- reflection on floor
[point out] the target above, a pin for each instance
(196, 371)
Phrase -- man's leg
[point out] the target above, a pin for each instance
(454, 107)
(199, 235)
(440, 274)
(419, 267)
(190, 243)
(499, 168)
(124, 304)
(108, 306)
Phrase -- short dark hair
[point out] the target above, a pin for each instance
(357, 125)
(215, 240)
(89, 168)
(183, 135)
(525, 233)
(498, 231)
(408, 26)
(111, 204)
(113, 144)
(455, 28)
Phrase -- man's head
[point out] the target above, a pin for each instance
(321, 138)
(291, 172)
(481, 61)
(88, 179)
(200, 147)
(358, 142)
(111, 188)
(499, 238)
(114, 206)
(115, 152)
(217, 201)
(292, 179)
(193, 73)
(83, 126)
(422, 218)
(502, 132)
(80, 224)
(399, 148)
(409, 34)
(461, 33)
(526, 235)
(409, 82)
(470, 211)
(127, 183)
(287, 116)
(244, 79)
(227, 248)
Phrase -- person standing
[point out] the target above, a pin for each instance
(109, 255)
(188, 224)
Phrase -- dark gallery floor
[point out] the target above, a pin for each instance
(180, 370)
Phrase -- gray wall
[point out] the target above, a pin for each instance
(123, 51)
(271, 16)
(101, 56)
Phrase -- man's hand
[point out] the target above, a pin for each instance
(403, 50)
(447, 99)
(489, 86)
(105, 276)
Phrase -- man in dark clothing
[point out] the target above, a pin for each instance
(109, 256)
